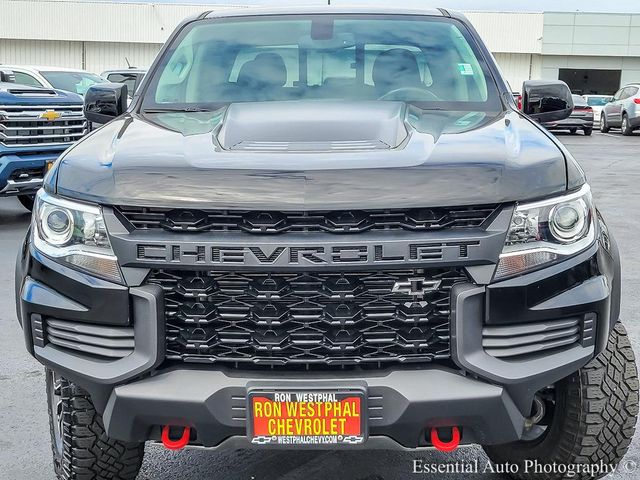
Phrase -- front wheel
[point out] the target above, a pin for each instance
(81, 448)
(27, 201)
(626, 126)
(588, 131)
(593, 417)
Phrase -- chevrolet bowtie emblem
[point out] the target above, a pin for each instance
(50, 115)
(416, 286)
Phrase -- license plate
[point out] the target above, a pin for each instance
(318, 417)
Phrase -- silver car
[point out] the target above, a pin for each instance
(623, 111)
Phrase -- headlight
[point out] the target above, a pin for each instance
(547, 232)
(74, 233)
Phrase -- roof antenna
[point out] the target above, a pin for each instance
(127, 60)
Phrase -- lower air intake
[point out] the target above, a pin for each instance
(523, 339)
(96, 340)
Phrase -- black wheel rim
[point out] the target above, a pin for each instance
(55, 397)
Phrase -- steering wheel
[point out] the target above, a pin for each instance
(420, 91)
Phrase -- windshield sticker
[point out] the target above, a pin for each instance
(467, 119)
(465, 69)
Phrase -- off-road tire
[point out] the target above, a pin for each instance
(594, 419)
(27, 201)
(87, 452)
(626, 126)
(604, 126)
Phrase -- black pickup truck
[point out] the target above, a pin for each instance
(326, 228)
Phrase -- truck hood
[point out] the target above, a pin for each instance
(313, 156)
(15, 94)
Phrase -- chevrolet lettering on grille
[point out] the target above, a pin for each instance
(307, 255)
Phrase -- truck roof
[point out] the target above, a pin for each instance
(42, 68)
(320, 9)
(124, 70)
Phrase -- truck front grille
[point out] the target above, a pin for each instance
(340, 221)
(25, 126)
(306, 320)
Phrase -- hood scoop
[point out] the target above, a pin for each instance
(313, 126)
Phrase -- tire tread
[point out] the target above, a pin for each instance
(89, 454)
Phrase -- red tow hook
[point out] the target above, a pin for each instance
(175, 444)
(446, 446)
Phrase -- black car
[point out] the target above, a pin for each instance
(326, 228)
(580, 119)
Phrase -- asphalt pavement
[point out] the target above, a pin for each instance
(612, 164)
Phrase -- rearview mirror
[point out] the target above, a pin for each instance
(105, 101)
(546, 100)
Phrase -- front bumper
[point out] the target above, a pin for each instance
(488, 397)
(34, 168)
(402, 405)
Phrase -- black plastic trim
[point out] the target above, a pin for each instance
(522, 378)
(91, 372)
(101, 301)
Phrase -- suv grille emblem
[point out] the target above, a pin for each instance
(416, 286)
(50, 115)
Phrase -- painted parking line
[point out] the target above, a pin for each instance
(610, 135)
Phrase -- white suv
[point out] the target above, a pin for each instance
(67, 79)
(623, 111)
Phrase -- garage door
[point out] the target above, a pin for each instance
(591, 82)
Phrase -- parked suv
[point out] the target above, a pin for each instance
(623, 112)
(326, 228)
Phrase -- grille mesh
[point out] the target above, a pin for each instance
(306, 319)
(22, 126)
(341, 221)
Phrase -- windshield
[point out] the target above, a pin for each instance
(598, 101)
(579, 100)
(76, 82)
(429, 61)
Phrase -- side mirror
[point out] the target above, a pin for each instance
(546, 100)
(105, 101)
(7, 76)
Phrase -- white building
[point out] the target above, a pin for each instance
(594, 53)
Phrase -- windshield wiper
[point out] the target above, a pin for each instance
(175, 109)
